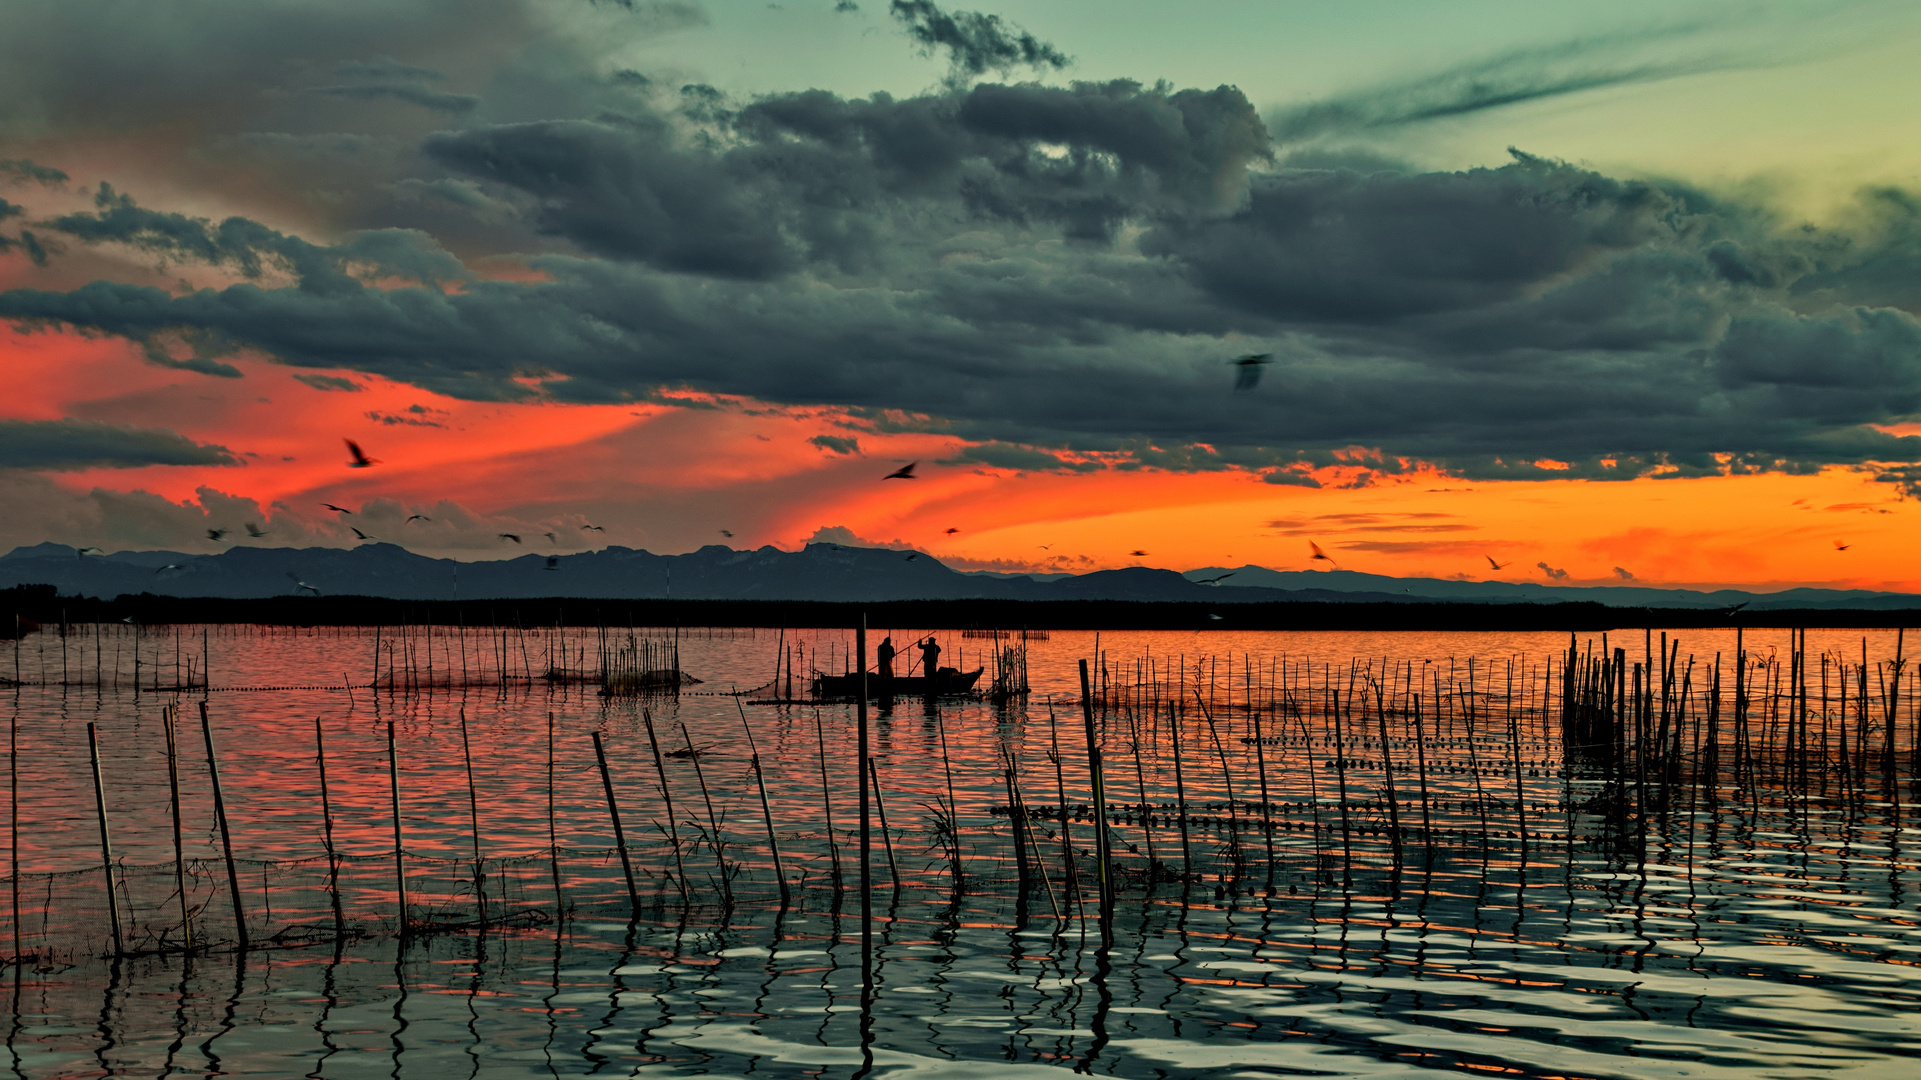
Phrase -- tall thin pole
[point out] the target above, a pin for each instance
(13, 809)
(1099, 793)
(473, 815)
(620, 836)
(327, 823)
(553, 832)
(400, 858)
(866, 795)
(226, 834)
(170, 717)
(667, 800)
(106, 845)
(766, 811)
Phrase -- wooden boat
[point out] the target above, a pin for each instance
(945, 681)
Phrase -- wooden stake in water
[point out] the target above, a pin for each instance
(473, 820)
(620, 835)
(553, 830)
(1098, 790)
(226, 835)
(766, 811)
(713, 823)
(106, 845)
(880, 810)
(827, 802)
(170, 719)
(326, 821)
(400, 859)
(13, 809)
(667, 799)
(860, 766)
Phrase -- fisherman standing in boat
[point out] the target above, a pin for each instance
(930, 661)
(884, 654)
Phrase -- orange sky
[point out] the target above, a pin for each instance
(670, 479)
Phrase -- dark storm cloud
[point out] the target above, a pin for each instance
(401, 91)
(75, 444)
(20, 171)
(1058, 275)
(975, 43)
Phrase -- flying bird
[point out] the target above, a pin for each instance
(551, 538)
(1496, 565)
(337, 509)
(86, 551)
(1730, 612)
(1839, 546)
(416, 517)
(255, 531)
(592, 528)
(1215, 580)
(1321, 556)
(360, 461)
(728, 533)
(299, 584)
(1137, 552)
(1247, 369)
(914, 556)
(362, 535)
(1213, 618)
(951, 532)
(217, 534)
(553, 562)
(169, 566)
(905, 472)
(1046, 547)
(508, 536)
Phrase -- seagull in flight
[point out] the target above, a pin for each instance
(1137, 552)
(551, 538)
(361, 460)
(86, 551)
(1496, 565)
(1215, 580)
(255, 531)
(1321, 556)
(592, 528)
(416, 517)
(951, 532)
(299, 584)
(914, 556)
(515, 537)
(217, 535)
(169, 566)
(1247, 369)
(337, 509)
(362, 535)
(905, 472)
(1839, 546)
(728, 533)
(553, 562)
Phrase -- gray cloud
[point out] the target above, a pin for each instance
(1057, 275)
(21, 171)
(77, 444)
(975, 43)
(413, 94)
(839, 444)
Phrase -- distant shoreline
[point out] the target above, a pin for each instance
(948, 614)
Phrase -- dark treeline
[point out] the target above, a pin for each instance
(40, 604)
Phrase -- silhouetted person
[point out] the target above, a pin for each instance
(929, 659)
(885, 655)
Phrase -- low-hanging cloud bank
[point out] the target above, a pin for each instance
(1059, 273)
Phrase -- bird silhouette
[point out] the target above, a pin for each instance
(217, 535)
(553, 562)
(255, 531)
(360, 460)
(337, 509)
(1496, 565)
(1215, 580)
(1839, 546)
(1321, 556)
(362, 535)
(951, 532)
(1046, 547)
(299, 584)
(508, 536)
(728, 533)
(82, 553)
(1213, 618)
(905, 472)
(169, 566)
(1137, 552)
(914, 556)
(551, 538)
(416, 517)
(592, 528)
(1730, 612)
(1247, 369)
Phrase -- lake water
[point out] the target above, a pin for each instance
(1460, 897)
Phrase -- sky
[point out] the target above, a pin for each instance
(1538, 291)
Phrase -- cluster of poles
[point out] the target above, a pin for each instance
(1368, 764)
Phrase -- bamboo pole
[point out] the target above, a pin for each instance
(880, 810)
(667, 799)
(170, 720)
(326, 821)
(226, 835)
(473, 815)
(766, 811)
(1098, 790)
(106, 844)
(400, 859)
(620, 835)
